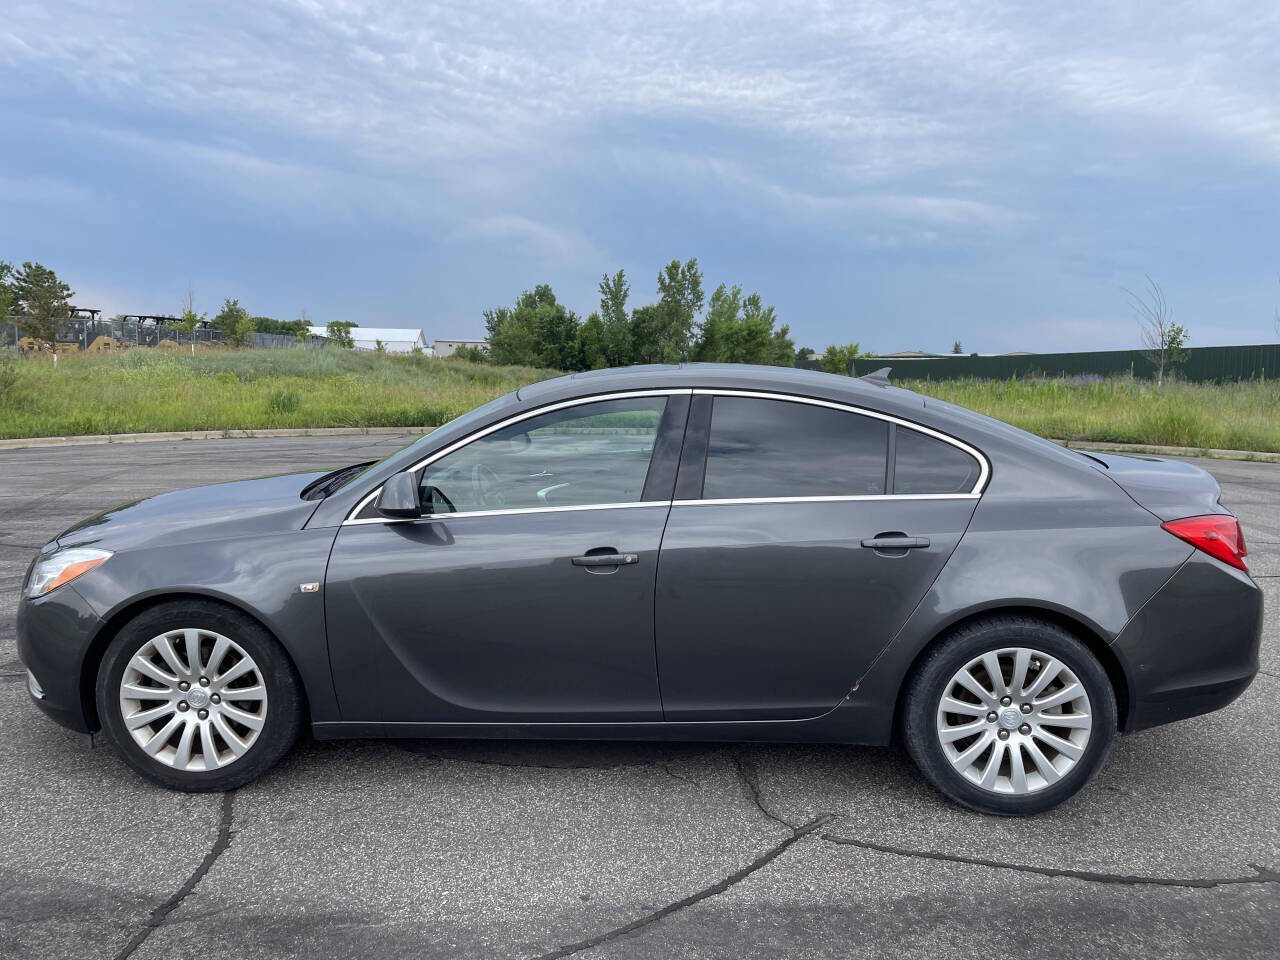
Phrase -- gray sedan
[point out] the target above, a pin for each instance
(685, 553)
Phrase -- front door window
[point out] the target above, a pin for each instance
(585, 455)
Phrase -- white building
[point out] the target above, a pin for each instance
(446, 348)
(394, 339)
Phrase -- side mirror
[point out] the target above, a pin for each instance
(399, 497)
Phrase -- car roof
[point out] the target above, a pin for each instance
(736, 376)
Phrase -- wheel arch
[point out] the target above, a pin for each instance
(1076, 626)
(113, 624)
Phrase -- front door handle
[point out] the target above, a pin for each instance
(895, 543)
(606, 559)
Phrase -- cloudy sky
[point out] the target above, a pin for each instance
(901, 175)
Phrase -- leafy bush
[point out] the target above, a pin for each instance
(284, 401)
(470, 354)
(9, 376)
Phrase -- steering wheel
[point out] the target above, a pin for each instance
(486, 485)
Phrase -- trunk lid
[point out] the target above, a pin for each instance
(1171, 489)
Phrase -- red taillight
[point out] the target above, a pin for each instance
(1218, 535)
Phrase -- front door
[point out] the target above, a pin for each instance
(527, 593)
(791, 557)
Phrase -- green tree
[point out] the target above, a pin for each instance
(615, 335)
(510, 337)
(537, 331)
(839, 359)
(6, 294)
(1163, 338)
(189, 320)
(645, 323)
(379, 346)
(284, 328)
(591, 343)
(661, 333)
(41, 303)
(234, 323)
(804, 357)
(956, 348)
(339, 331)
(739, 329)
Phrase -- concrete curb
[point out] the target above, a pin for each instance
(97, 438)
(1256, 456)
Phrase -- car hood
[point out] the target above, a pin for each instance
(215, 512)
(1171, 489)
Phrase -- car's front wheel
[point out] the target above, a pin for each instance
(1009, 715)
(197, 696)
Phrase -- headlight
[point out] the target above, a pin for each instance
(62, 567)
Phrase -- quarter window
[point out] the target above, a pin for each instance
(777, 448)
(595, 453)
(925, 464)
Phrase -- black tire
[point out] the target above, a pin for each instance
(933, 674)
(284, 707)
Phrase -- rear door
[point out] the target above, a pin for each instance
(802, 535)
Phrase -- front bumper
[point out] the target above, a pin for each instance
(55, 634)
(1193, 648)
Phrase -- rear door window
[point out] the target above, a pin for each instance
(779, 448)
(925, 464)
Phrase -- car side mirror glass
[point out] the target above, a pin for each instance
(399, 497)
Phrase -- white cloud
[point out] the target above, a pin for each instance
(43, 192)
(872, 124)
(542, 239)
(404, 84)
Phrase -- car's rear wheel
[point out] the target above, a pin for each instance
(197, 696)
(1009, 715)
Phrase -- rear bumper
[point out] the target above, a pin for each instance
(54, 636)
(1193, 648)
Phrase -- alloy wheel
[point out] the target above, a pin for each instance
(193, 699)
(1014, 720)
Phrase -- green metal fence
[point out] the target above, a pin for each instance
(1202, 364)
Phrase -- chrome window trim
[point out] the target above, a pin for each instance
(984, 466)
(493, 428)
(832, 499)
(514, 511)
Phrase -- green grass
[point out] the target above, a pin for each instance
(153, 390)
(1232, 416)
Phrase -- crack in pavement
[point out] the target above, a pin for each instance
(747, 773)
(1264, 874)
(717, 888)
(676, 776)
(161, 913)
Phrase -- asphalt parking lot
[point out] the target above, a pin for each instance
(462, 849)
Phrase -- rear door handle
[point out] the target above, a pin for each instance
(895, 543)
(606, 559)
